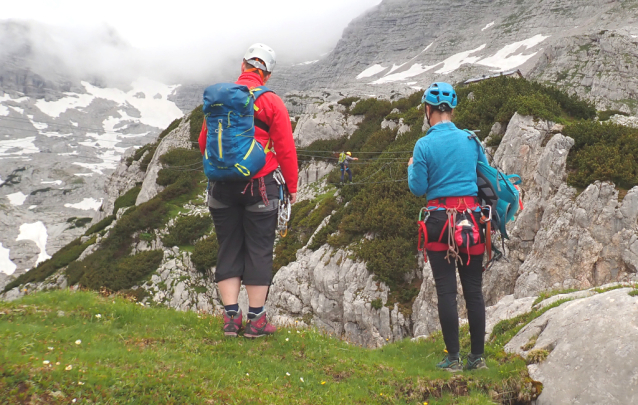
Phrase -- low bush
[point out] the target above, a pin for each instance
(606, 152)
(196, 122)
(304, 220)
(173, 125)
(148, 157)
(607, 114)
(347, 102)
(127, 199)
(78, 222)
(497, 99)
(100, 225)
(204, 256)
(179, 162)
(125, 273)
(187, 230)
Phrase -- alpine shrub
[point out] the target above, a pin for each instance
(196, 122)
(187, 230)
(100, 225)
(204, 256)
(125, 273)
(605, 152)
(127, 199)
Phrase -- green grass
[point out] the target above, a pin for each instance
(548, 294)
(133, 354)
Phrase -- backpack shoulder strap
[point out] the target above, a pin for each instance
(259, 91)
(471, 136)
(256, 92)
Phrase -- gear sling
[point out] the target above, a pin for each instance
(461, 226)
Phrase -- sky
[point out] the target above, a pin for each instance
(185, 35)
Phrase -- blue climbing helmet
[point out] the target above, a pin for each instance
(440, 93)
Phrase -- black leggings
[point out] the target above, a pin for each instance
(471, 276)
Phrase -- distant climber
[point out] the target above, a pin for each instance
(444, 167)
(344, 162)
(244, 206)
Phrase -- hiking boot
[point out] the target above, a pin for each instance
(232, 323)
(451, 365)
(477, 363)
(259, 326)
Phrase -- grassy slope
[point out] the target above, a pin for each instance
(134, 354)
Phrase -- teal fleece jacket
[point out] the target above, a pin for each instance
(444, 164)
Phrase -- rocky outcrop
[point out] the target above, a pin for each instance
(178, 138)
(328, 120)
(123, 179)
(330, 290)
(590, 348)
(561, 239)
(586, 47)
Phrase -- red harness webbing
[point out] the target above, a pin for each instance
(453, 203)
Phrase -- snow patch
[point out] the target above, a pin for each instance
(6, 265)
(84, 174)
(427, 47)
(18, 147)
(488, 26)
(4, 111)
(455, 61)
(17, 198)
(415, 70)
(310, 62)
(37, 233)
(57, 182)
(155, 112)
(371, 71)
(32, 207)
(17, 109)
(86, 204)
(505, 59)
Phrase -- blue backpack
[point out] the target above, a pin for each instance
(499, 191)
(232, 153)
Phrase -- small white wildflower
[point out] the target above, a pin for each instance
(74, 400)
(298, 332)
(69, 368)
(287, 339)
(50, 348)
(80, 383)
(288, 374)
(78, 342)
(57, 363)
(301, 378)
(98, 316)
(45, 362)
(247, 374)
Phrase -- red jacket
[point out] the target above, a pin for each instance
(273, 112)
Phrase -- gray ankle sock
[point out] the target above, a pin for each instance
(474, 357)
(453, 356)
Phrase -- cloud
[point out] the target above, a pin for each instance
(178, 42)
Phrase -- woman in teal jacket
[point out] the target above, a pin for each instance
(443, 166)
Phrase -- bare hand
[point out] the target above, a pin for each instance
(411, 161)
(293, 198)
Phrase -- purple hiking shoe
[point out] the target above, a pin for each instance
(232, 323)
(259, 327)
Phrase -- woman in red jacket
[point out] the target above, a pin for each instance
(245, 212)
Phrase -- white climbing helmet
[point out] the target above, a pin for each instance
(263, 52)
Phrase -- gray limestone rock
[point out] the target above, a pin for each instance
(328, 289)
(592, 350)
(178, 138)
(327, 120)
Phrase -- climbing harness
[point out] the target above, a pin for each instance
(284, 204)
(463, 230)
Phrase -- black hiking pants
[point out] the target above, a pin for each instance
(245, 226)
(471, 276)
